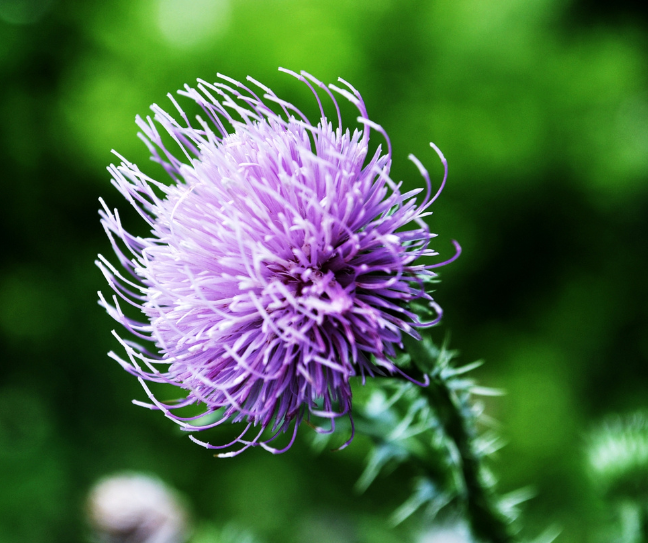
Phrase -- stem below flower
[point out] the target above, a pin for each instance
(487, 522)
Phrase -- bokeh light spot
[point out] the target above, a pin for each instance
(188, 23)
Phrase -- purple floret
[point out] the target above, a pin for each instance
(280, 261)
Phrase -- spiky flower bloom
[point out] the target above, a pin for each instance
(280, 261)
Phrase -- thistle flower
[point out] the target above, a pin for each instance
(280, 261)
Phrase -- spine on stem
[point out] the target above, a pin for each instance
(435, 428)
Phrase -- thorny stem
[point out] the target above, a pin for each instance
(487, 522)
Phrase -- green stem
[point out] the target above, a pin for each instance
(488, 524)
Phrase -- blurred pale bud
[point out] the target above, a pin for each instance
(135, 508)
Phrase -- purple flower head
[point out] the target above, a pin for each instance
(280, 261)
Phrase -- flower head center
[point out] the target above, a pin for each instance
(329, 287)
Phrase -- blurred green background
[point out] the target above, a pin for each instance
(540, 106)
